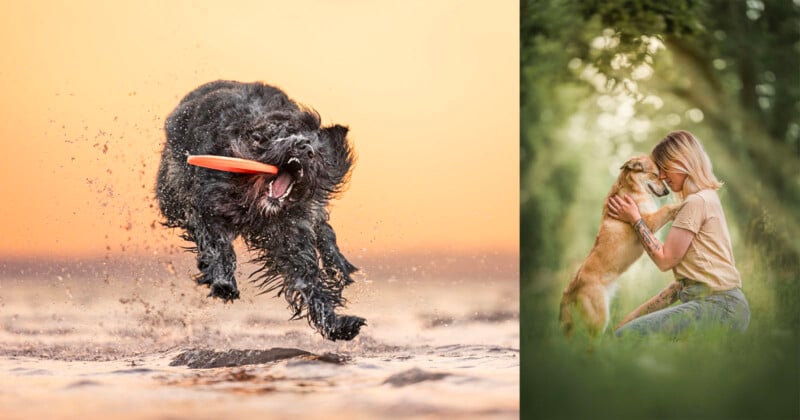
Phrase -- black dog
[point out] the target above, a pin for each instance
(283, 217)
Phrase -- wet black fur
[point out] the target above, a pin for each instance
(293, 242)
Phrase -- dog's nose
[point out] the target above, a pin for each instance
(307, 149)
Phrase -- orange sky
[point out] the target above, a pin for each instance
(428, 88)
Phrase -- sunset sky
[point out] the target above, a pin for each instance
(429, 90)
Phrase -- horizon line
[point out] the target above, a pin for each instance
(419, 264)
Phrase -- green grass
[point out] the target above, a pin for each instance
(710, 375)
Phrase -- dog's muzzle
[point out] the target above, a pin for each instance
(662, 193)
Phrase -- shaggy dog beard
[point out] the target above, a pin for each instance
(282, 218)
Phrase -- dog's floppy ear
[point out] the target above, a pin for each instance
(634, 164)
(340, 155)
(336, 133)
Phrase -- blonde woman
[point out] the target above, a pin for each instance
(697, 248)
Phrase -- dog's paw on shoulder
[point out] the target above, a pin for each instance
(347, 328)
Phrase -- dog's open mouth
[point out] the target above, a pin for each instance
(281, 186)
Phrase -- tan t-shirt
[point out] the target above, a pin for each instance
(709, 258)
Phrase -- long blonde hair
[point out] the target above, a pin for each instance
(681, 152)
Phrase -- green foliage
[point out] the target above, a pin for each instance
(647, 17)
(632, 23)
(546, 47)
(602, 80)
(705, 376)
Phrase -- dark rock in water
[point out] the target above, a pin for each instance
(494, 316)
(82, 383)
(413, 376)
(333, 358)
(204, 359)
(31, 372)
(131, 371)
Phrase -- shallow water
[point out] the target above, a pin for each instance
(153, 346)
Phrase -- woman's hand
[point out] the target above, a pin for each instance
(623, 208)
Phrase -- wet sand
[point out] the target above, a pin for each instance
(100, 342)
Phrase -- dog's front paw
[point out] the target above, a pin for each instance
(346, 328)
(673, 210)
(227, 291)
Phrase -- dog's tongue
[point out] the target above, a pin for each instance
(280, 184)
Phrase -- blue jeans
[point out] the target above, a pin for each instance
(700, 309)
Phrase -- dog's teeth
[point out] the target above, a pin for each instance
(271, 193)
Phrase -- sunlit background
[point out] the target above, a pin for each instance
(602, 81)
(92, 284)
(428, 89)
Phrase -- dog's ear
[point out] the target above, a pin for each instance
(340, 154)
(336, 133)
(634, 164)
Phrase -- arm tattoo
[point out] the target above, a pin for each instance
(651, 244)
(660, 301)
(663, 299)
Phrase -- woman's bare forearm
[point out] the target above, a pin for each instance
(651, 244)
(665, 256)
(660, 301)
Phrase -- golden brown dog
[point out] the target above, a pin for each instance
(617, 246)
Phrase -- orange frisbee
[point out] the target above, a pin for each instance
(231, 164)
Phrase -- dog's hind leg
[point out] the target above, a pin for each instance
(594, 307)
(216, 258)
(334, 263)
(322, 317)
(291, 266)
(308, 291)
(565, 314)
